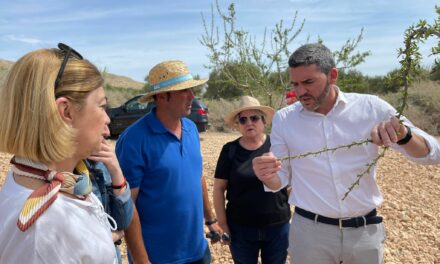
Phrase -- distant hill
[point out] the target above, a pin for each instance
(112, 79)
(4, 69)
(122, 81)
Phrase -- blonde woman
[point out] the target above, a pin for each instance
(257, 221)
(52, 116)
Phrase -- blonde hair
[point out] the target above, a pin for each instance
(31, 125)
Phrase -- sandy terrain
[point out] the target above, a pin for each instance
(411, 208)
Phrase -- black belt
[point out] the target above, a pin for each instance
(369, 219)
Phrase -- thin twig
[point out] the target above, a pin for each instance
(348, 146)
(366, 171)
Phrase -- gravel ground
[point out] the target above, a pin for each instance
(411, 207)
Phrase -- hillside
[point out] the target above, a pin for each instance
(111, 79)
(122, 81)
(4, 68)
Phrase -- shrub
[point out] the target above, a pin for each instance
(423, 105)
(217, 110)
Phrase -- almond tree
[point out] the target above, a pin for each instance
(231, 46)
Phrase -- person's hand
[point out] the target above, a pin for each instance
(215, 232)
(388, 132)
(266, 167)
(226, 234)
(117, 235)
(107, 155)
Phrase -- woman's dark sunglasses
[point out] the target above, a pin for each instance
(68, 51)
(254, 119)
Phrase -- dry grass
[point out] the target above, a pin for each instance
(423, 105)
(118, 96)
(217, 111)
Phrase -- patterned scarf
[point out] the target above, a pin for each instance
(40, 199)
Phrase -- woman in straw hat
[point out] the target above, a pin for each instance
(257, 221)
(52, 111)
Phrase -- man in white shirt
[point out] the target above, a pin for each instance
(325, 228)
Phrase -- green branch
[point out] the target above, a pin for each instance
(348, 146)
(366, 171)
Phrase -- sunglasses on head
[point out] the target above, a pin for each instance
(254, 119)
(68, 52)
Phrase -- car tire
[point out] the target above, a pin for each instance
(202, 127)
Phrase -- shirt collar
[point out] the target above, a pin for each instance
(157, 126)
(154, 123)
(341, 98)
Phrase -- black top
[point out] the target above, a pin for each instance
(248, 203)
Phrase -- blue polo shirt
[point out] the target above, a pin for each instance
(168, 173)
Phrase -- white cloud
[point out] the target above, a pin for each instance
(81, 15)
(22, 39)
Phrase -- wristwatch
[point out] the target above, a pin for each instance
(407, 138)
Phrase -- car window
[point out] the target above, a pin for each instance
(135, 105)
(198, 104)
(151, 105)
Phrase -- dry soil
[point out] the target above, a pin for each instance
(411, 208)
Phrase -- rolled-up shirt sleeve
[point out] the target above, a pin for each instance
(280, 149)
(433, 156)
(385, 110)
(122, 208)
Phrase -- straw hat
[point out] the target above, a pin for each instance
(249, 103)
(170, 76)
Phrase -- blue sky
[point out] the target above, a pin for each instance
(129, 37)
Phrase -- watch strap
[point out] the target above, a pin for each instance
(407, 138)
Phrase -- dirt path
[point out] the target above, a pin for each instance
(411, 208)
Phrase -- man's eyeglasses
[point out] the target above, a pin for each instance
(68, 51)
(254, 119)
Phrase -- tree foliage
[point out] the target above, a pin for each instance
(220, 84)
(410, 54)
(268, 76)
(349, 79)
(237, 47)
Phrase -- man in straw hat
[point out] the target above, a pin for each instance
(161, 159)
(327, 228)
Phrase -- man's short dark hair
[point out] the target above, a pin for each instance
(314, 53)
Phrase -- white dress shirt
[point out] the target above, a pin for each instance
(320, 182)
